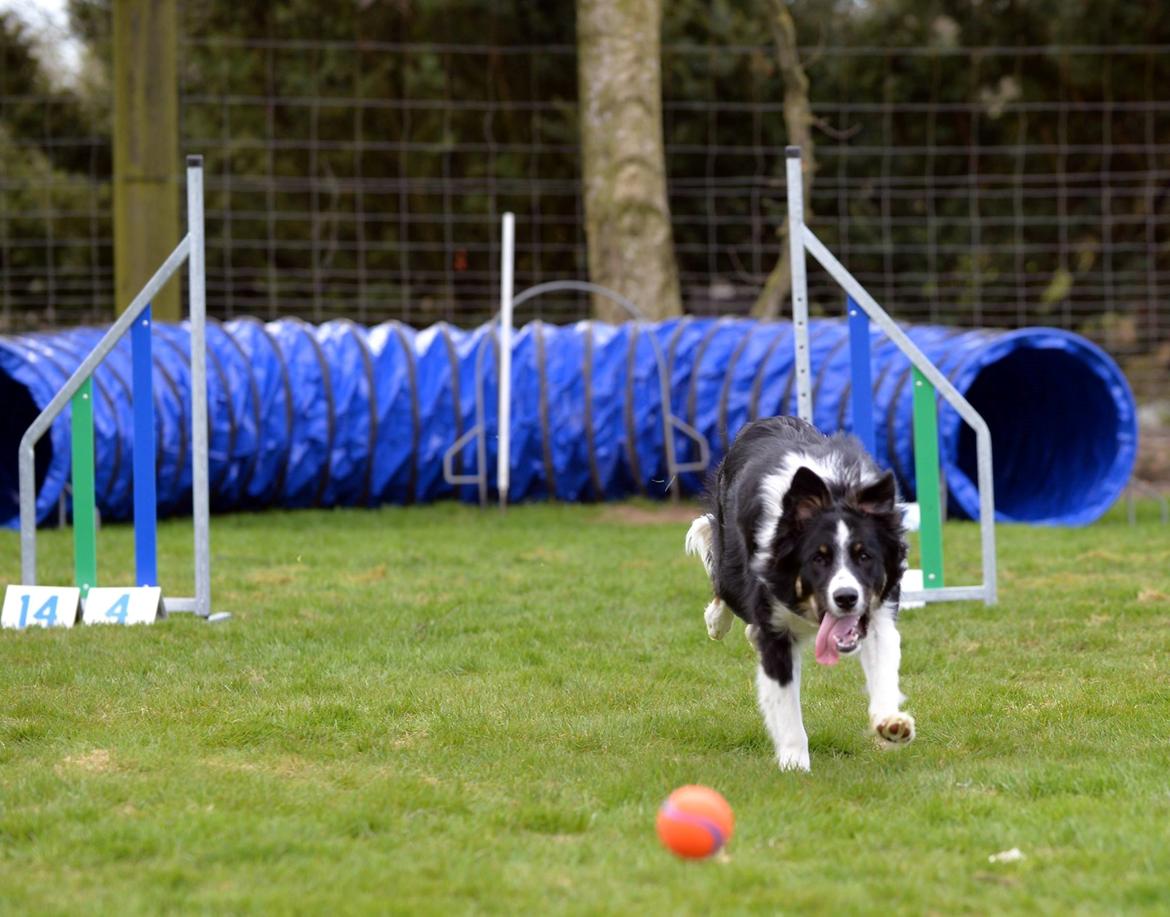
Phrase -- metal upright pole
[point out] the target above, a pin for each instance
(927, 483)
(799, 282)
(503, 457)
(84, 491)
(28, 512)
(861, 375)
(145, 493)
(198, 294)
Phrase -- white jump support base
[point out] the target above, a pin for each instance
(509, 302)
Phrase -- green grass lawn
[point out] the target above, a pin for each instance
(442, 709)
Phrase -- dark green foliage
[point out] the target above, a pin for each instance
(37, 115)
(54, 171)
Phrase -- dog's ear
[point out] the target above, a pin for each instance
(807, 495)
(878, 498)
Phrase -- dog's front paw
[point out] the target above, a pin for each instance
(895, 728)
(793, 759)
(718, 617)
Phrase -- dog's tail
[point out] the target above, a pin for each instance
(701, 542)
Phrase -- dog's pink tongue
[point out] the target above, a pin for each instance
(835, 632)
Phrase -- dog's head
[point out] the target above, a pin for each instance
(837, 555)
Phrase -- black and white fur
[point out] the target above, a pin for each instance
(802, 526)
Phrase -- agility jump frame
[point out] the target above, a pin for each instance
(929, 384)
(861, 308)
(78, 392)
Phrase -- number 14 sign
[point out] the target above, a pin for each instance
(40, 606)
(51, 606)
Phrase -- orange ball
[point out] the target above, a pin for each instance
(695, 821)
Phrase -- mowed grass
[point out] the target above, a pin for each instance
(444, 710)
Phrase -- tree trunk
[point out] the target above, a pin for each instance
(798, 123)
(627, 215)
(146, 150)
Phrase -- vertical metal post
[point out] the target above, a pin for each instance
(861, 382)
(145, 496)
(84, 494)
(799, 282)
(503, 457)
(27, 462)
(987, 514)
(926, 480)
(198, 293)
(28, 511)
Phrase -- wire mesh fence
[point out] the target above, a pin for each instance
(56, 234)
(974, 186)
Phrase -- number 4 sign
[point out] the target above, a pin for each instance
(114, 605)
(40, 606)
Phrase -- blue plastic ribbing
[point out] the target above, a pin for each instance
(1062, 417)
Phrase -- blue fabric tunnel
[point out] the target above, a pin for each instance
(341, 415)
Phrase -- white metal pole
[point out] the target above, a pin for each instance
(799, 282)
(503, 458)
(197, 291)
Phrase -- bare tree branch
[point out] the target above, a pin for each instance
(798, 121)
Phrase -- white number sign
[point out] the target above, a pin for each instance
(40, 606)
(122, 605)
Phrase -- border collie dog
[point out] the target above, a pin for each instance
(805, 541)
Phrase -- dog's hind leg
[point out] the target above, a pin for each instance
(700, 542)
(881, 657)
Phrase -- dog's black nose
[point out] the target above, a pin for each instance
(845, 598)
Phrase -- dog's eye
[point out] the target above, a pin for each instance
(820, 558)
(864, 555)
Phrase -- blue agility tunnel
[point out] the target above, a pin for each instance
(341, 415)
